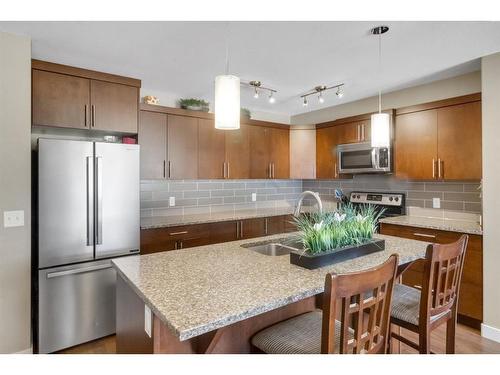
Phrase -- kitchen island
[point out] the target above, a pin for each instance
(212, 299)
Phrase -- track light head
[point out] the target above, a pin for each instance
(272, 99)
(256, 93)
(304, 103)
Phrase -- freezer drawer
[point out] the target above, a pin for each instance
(76, 304)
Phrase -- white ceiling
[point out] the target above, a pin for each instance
(182, 58)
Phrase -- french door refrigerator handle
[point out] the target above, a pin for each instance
(90, 201)
(98, 201)
(78, 270)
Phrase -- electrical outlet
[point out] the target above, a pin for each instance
(147, 320)
(436, 203)
(13, 219)
(171, 201)
(254, 197)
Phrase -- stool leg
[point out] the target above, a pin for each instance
(450, 336)
(424, 339)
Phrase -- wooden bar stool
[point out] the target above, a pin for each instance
(423, 311)
(364, 300)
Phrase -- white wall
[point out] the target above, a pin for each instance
(437, 90)
(169, 99)
(15, 190)
(491, 188)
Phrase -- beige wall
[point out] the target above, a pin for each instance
(491, 188)
(302, 152)
(15, 188)
(447, 88)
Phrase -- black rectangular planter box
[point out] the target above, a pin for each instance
(312, 261)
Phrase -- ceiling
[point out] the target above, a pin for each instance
(181, 59)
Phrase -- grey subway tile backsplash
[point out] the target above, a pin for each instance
(205, 196)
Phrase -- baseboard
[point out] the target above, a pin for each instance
(490, 332)
(26, 351)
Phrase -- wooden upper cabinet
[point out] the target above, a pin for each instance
(415, 145)
(114, 106)
(211, 150)
(350, 132)
(260, 165)
(325, 153)
(153, 142)
(237, 147)
(60, 100)
(182, 147)
(69, 97)
(279, 152)
(459, 142)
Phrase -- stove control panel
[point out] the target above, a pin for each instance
(384, 199)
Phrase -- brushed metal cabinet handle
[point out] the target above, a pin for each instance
(433, 168)
(169, 169)
(93, 116)
(227, 169)
(177, 233)
(241, 229)
(164, 169)
(85, 115)
(363, 132)
(439, 167)
(265, 226)
(237, 229)
(424, 235)
(335, 170)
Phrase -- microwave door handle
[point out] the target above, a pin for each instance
(374, 158)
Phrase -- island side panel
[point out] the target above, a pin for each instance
(232, 339)
(131, 338)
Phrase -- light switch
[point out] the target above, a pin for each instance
(436, 203)
(254, 197)
(13, 219)
(171, 201)
(147, 320)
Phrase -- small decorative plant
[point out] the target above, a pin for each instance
(333, 230)
(194, 104)
(245, 112)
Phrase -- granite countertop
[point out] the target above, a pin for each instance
(452, 225)
(200, 289)
(172, 221)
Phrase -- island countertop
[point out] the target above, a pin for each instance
(451, 225)
(197, 290)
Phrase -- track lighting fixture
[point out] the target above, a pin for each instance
(257, 85)
(319, 90)
(339, 93)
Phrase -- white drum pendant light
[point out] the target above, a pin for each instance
(380, 122)
(227, 99)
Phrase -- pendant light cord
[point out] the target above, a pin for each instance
(379, 72)
(227, 49)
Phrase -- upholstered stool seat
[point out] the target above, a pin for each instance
(298, 335)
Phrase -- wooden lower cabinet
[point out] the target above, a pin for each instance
(184, 236)
(470, 302)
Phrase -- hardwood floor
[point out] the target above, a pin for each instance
(106, 345)
(469, 341)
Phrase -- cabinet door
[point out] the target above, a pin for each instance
(415, 145)
(251, 228)
(348, 133)
(366, 130)
(275, 225)
(153, 142)
(60, 100)
(182, 142)
(211, 150)
(114, 106)
(238, 152)
(326, 156)
(459, 141)
(280, 152)
(223, 232)
(260, 163)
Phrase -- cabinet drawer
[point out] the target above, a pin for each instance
(163, 239)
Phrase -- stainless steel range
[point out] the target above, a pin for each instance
(393, 204)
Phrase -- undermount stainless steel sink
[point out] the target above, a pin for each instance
(276, 248)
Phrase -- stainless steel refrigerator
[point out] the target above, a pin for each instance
(88, 213)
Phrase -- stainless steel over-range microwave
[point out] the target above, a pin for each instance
(356, 158)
